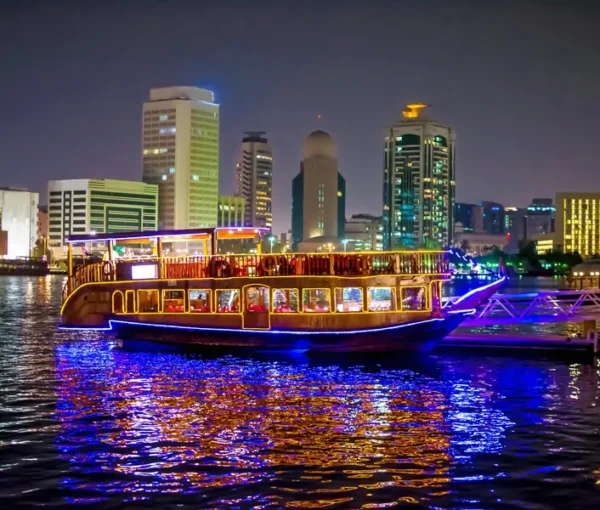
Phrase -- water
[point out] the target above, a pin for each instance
(85, 422)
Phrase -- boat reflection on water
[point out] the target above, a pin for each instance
(267, 432)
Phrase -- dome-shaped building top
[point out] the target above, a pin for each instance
(319, 143)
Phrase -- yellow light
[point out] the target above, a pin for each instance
(412, 111)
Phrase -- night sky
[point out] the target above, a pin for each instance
(520, 82)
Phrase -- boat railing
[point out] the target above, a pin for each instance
(253, 265)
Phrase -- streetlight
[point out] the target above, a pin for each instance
(272, 240)
(344, 242)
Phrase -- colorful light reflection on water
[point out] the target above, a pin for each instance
(84, 422)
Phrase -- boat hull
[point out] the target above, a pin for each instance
(418, 336)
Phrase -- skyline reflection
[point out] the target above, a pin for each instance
(184, 424)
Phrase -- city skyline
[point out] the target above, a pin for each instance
(502, 102)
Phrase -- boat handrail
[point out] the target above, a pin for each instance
(276, 264)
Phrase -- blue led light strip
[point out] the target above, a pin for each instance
(252, 331)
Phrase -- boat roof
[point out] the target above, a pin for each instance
(173, 235)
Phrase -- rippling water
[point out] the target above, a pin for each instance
(85, 422)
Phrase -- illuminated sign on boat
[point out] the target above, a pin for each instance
(144, 272)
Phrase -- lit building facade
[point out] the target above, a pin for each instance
(231, 211)
(254, 179)
(515, 227)
(363, 232)
(181, 155)
(418, 182)
(544, 243)
(578, 223)
(318, 192)
(18, 222)
(42, 222)
(478, 244)
(80, 206)
(493, 217)
(541, 215)
(463, 214)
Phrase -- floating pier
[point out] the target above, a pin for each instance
(518, 343)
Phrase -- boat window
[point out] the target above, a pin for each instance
(173, 301)
(147, 301)
(257, 299)
(316, 300)
(200, 301)
(381, 299)
(130, 301)
(414, 298)
(228, 301)
(285, 300)
(349, 299)
(117, 301)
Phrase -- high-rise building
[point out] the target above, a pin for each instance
(540, 217)
(578, 223)
(463, 214)
(418, 182)
(493, 217)
(363, 232)
(254, 179)
(18, 222)
(318, 192)
(79, 206)
(181, 155)
(515, 227)
(42, 222)
(231, 211)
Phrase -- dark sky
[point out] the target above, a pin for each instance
(520, 82)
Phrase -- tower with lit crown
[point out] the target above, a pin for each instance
(418, 182)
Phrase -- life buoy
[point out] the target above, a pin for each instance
(108, 270)
(268, 265)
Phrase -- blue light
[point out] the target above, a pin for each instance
(112, 322)
(274, 331)
(480, 289)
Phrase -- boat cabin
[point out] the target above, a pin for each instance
(185, 277)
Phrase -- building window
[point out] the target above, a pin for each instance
(200, 301)
(173, 301)
(257, 299)
(316, 300)
(147, 301)
(285, 300)
(228, 301)
(414, 298)
(381, 299)
(349, 299)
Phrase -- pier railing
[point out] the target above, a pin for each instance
(251, 265)
(552, 306)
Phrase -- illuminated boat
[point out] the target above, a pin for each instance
(374, 301)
